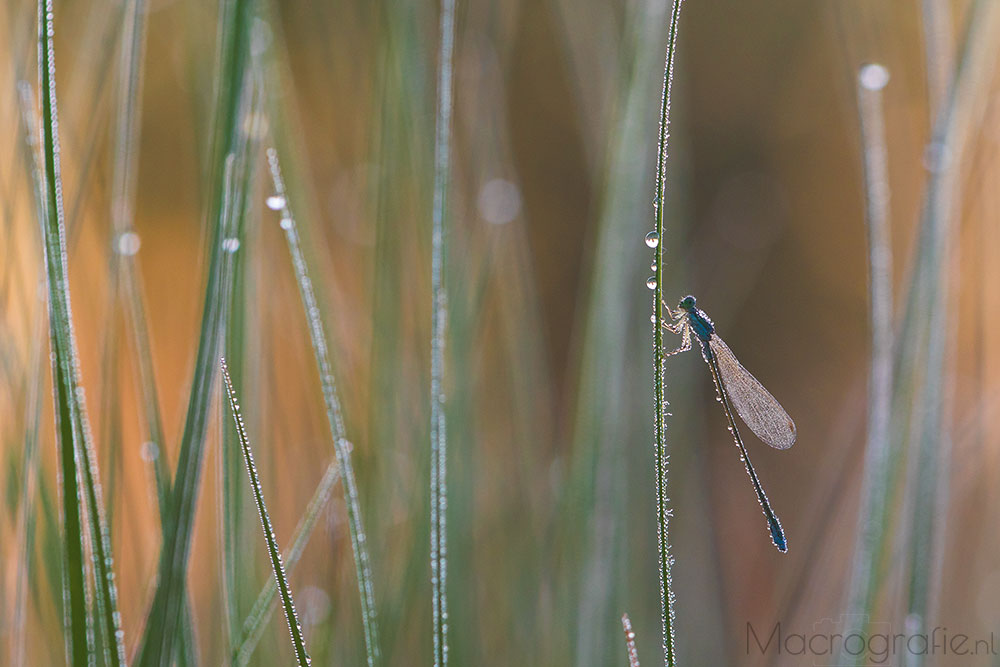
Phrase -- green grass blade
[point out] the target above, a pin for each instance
(334, 417)
(439, 322)
(931, 444)
(231, 462)
(665, 560)
(301, 656)
(262, 609)
(226, 212)
(877, 470)
(73, 431)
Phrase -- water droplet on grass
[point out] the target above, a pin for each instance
(873, 76)
(652, 239)
(499, 201)
(127, 244)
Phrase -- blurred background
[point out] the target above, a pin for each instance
(551, 526)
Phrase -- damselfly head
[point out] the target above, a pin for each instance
(687, 303)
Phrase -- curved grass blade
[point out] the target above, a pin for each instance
(439, 322)
(334, 415)
(262, 609)
(665, 560)
(301, 656)
(755, 405)
(76, 451)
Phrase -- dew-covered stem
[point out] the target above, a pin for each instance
(342, 448)
(439, 323)
(78, 463)
(630, 651)
(654, 239)
(257, 619)
(294, 628)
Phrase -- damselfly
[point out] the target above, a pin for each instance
(737, 389)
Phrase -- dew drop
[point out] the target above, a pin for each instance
(499, 201)
(127, 244)
(231, 244)
(652, 319)
(873, 76)
(652, 267)
(651, 282)
(286, 223)
(652, 239)
(275, 202)
(150, 452)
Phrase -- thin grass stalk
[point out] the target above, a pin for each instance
(439, 323)
(226, 214)
(630, 650)
(124, 240)
(872, 79)
(334, 415)
(665, 560)
(232, 485)
(70, 407)
(260, 614)
(294, 628)
(127, 133)
(932, 444)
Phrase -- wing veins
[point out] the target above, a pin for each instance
(756, 406)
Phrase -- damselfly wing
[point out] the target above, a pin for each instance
(755, 404)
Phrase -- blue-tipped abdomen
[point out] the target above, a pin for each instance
(777, 534)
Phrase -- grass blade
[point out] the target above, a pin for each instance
(262, 609)
(226, 214)
(301, 656)
(659, 366)
(73, 431)
(931, 445)
(872, 79)
(439, 323)
(334, 416)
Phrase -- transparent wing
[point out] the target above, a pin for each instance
(755, 405)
